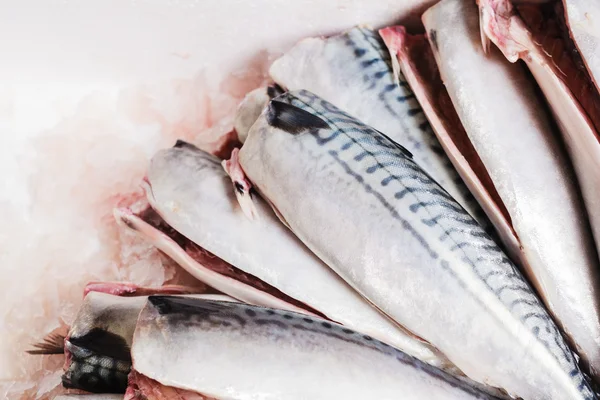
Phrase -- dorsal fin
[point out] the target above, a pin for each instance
(292, 119)
(183, 144)
(398, 145)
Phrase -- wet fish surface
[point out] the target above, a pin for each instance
(225, 350)
(354, 72)
(394, 234)
(538, 34)
(521, 148)
(194, 195)
(416, 61)
(98, 345)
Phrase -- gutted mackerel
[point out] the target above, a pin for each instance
(233, 351)
(537, 34)
(204, 265)
(354, 72)
(362, 204)
(416, 62)
(513, 134)
(193, 194)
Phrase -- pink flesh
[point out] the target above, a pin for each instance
(226, 144)
(241, 184)
(548, 27)
(418, 66)
(143, 388)
(127, 289)
(207, 267)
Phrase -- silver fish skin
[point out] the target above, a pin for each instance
(245, 352)
(561, 75)
(354, 72)
(363, 205)
(513, 134)
(194, 195)
(100, 339)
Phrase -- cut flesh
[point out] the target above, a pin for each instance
(194, 195)
(207, 267)
(567, 85)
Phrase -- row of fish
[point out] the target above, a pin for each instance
(407, 216)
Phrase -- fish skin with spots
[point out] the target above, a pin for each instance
(354, 71)
(228, 350)
(404, 243)
(208, 215)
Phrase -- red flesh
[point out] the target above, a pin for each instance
(415, 49)
(216, 264)
(227, 143)
(547, 24)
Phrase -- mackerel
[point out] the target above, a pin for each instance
(564, 69)
(98, 345)
(415, 60)
(367, 209)
(511, 130)
(354, 72)
(232, 351)
(193, 194)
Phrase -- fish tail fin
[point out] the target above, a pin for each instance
(53, 343)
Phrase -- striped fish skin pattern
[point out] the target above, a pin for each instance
(402, 241)
(193, 194)
(354, 71)
(276, 354)
(521, 149)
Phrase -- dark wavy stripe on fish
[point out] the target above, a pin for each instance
(191, 311)
(392, 163)
(390, 92)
